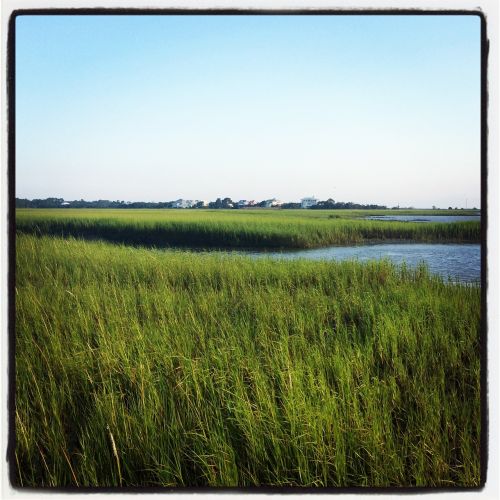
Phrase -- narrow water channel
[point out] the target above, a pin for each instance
(458, 262)
(425, 218)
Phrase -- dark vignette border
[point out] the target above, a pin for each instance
(11, 51)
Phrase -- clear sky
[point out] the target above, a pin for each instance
(371, 109)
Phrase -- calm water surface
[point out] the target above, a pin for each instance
(459, 262)
(425, 218)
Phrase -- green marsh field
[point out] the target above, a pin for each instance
(239, 228)
(141, 365)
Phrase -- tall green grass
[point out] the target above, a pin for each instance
(234, 229)
(165, 368)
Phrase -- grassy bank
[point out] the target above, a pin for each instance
(139, 367)
(235, 228)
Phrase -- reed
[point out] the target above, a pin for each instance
(139, 367)
(235, 228)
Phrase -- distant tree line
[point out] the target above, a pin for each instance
(332, 204)
(47, 203)
(218, 203)
(60, 203)
(221, 203)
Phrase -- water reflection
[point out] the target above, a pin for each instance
(425, 218)
(459, 262)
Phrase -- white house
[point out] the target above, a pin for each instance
(308, 202)
(273, 202)
(183, 203)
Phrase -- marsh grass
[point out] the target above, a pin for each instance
(235, 228)
(142, 367)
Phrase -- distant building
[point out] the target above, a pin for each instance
(178, 204)
(242, 203)
(273, 202)
(184, 203)
(308, 202)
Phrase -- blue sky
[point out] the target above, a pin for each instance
(372, 109)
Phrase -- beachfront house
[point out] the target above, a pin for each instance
(272, 203)
(308, 202)
(184, 203)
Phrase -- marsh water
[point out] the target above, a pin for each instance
(425, 218)
(458, 262)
